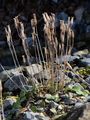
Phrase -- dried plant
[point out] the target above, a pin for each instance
(20, 29)
(10, 44)
(2, 117)
(21, 33)
(13, 51)
(37, 44)
(53, 49)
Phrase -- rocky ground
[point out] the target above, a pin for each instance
(30, 102)
(23, 97)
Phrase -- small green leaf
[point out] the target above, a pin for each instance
(52, 97)
(56, 98)
(48, 96)
(33, 108)
(78, 89)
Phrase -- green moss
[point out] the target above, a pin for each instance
(84, 71)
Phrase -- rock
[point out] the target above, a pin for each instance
(66, 99)
(62, 16)
(16, 71)
(71, 75)
(8, 103)
(87, 99)
(19, 81)
(78, 13)
(86, 61)
(45, 74)
(29, 116)
(34, 69)
(81, 53)
(79, 105)
(88, 56)
(86, 113)
(4, 74)
(34, 116)
(11, 113)
(53, 104)
(68, 58)
(88, 80)
(69, 101)
(31, 70)
(39, 117)
(76, 112)
(63, 97)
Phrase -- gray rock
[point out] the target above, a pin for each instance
(87, 99)
(31, 70)
(53, 104)
(88, 56)
(79, 13)
(77, 112)
(68, 58)
(81, 53)
(79, 105)
(34, 69)
(45, 74)
(42, 117)
(8, 103)
(4, 75)
(29, 116)
(66, 99)
(69, 101)
(61, 16)
(18, 82)
(8, 112)
(71, 75)
(34, 116)
(88, 80)
(86, 113)
(86, 61)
